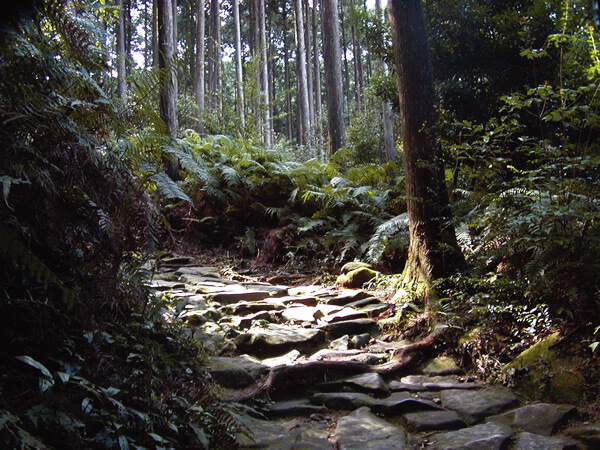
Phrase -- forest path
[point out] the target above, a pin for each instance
(316, 353)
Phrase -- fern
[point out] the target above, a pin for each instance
(168, 189)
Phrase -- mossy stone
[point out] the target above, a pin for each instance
(356, 278)
(353, 265)
(471, 336)
(534, 354)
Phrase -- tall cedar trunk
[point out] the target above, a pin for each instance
(147, 44)
(214, 54)
(268, 134)
(317, 84)
(155, 34)
(219, 62)
(128, 27)
(433, 250)
(239, 83)
(200, 63)
(302, 98)
(369, 69)
(357, 63)
(175, 34)
(386, 109)
(286, 76)
(345, 73)
(333, 74)
(191, 45)
(166, 62)
(121, 69)
(308, 48)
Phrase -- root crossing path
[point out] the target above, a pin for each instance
(316, 355)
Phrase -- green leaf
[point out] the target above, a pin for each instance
(36, 364)
(86, 405)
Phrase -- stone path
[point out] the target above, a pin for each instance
(251, 328)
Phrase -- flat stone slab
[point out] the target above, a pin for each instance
(345, 314)
(435, 383)
(342, 400)
(539, 418)
(243, 308)
(275, 340)
(307, 300)
(356, 326)
(238, 295)
(247, 321)
(288, 358)
(489, 436)
(371, 383)
(302, 314)
(347, 296)
(283, 435)
(201, 271)
(275, 290)
(532, 441)
(362, 430)
(375, 309)
(401, 403)
(294, 408)
(433, 420)
(474, 405)
(364, 302)
(200, 280)
(236, 372)
(164, 285)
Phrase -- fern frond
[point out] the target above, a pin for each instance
(168, 189)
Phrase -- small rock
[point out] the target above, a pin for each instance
(340, 343)
(489, 436)
(539, 418)
(362, 430)
(282, 360)
(346, 296)
(235, 372)
(433, 420)
(474, 405)
(531, 441)
(360, 340)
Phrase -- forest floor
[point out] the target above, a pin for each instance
(309, 367)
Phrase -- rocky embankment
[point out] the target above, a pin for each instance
(315, 353)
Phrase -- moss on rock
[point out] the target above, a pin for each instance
(356, 278)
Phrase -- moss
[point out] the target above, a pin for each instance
(471, 336)
(356, 278)
(534, 354)
(353, 265)
(440, 365)
(567, 387)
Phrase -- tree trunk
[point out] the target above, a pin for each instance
(308, 48)
(175, 34)
(317, 84)
(239, 85)
(286, 76)
(200, 63)
(386, 110)
(433, 250)
(346, 72)
(166, 62)
(155, 34)
(121, 68)
(333, 74)
(268, 134)
(302, 78)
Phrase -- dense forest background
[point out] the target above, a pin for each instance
(258, 129)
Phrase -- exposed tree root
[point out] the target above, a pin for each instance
(278, 374)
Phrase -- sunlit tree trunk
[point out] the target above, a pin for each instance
(309, 80)
(200, 64)
(386, 109)
(239, 86)
(317, 84)
(357, 64)
(333, 74)
(302, 97)
(155, 49)
(121, 67)
(286, 76)
(433, 250)
(346, 72)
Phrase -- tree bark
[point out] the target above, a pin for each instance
(346, 72)
(333, 74)
(239, 85)
(302, 97)
(309, 80)
(268, 133)
(386, 110)
(286, 77)
(121, 67)
(155, 49)
(317, 84)
(199, 93)
(433, 251)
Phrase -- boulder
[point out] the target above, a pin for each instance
(538, 418)
(356, 326)
(342, 400)
(275, 340)
(433, 420)
(531, 441)
(475, 405)
(489, 436)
